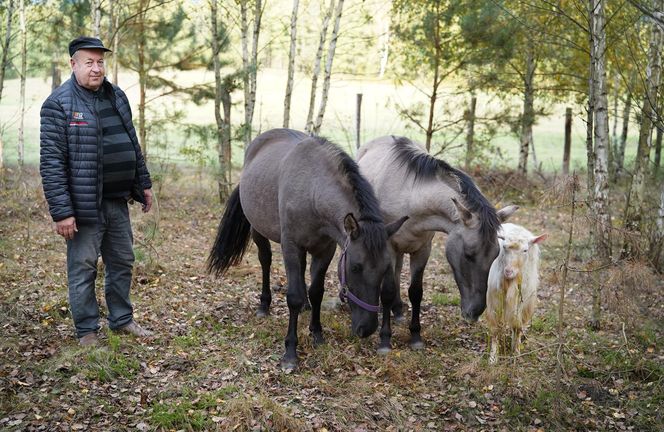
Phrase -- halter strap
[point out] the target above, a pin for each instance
(344, 293)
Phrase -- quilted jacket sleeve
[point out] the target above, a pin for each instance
(125, 111)
(53, 163)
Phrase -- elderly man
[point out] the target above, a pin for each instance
(91, 166)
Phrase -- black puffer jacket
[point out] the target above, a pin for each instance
(71, 152)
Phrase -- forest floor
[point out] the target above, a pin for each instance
(213, 365)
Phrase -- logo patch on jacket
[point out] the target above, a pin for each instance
(77, 119)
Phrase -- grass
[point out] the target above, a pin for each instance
(445, 299)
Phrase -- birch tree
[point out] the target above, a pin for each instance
(328, 68)
(4, 63)
(291, 63)
(635, 202)
(24, 62)
(250, 61)
(96, 18)
(600, 210)
(317, 62)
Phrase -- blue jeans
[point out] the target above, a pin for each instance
(111, 239)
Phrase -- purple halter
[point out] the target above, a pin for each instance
(345, 294)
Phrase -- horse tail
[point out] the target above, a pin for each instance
(232, 237)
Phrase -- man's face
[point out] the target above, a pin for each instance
(88, 68)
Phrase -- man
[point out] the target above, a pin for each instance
(91, 165)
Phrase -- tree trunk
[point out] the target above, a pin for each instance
(5, 47)
(223, 179)
(600, 208)
(317, 61)
(142, 79)
(291, 63)
(619, 159)
(24, 70)
(436, 81)
(384, 42)
(96, 18)
(635, 200)
(358, 120)
(528, 116)
(470, 132)
(56, 76)
(328, 68)
(658, 146)
(657, 244)
(113, 34)
(568, 140)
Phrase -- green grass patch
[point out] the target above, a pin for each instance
(445, 299)
(178, 415)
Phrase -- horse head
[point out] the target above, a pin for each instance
(470, 253)
(366, 262)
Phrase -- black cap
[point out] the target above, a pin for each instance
(85, 42)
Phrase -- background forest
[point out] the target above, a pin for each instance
(552, 105)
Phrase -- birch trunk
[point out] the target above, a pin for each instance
(291, 63)
(249, 63)
(96, 18)
(142, 79)
(5, 48)
(24, 62)
(328, 68)
(528, 115)
(317, 61)
(470, 132)
(658, 242)
(114, 17)
(223, 129)
(619, 159)
(384, 41)
(600, 209)
(658, 147)
(635, 200)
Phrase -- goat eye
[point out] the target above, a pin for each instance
(356, 268)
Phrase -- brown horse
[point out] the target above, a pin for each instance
(436, 197)
(308, 195)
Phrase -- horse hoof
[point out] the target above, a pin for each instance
(384, 351)
(288, 366)
(318, 340)
(261, 313)
(417, 345)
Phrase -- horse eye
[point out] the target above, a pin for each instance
(356, 268)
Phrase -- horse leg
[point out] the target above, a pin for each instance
(319, 265)
(265, 258)
(418, 262)
(296, 295)
(387, 298)
(397, 306)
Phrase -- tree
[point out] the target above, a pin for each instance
(328, 68)
(250, 61)
(4, 63)
(316, 70)
(24, 69)
(291, 63)
(634, 211)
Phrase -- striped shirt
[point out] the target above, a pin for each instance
(119, 163)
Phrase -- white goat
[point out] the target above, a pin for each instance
(511, 295)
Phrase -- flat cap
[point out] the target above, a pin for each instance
(85, 42)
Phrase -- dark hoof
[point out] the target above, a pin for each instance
(288, 365)
(416, 345)
(399, 319)
(384, 350)
(318, 339)
(262, 313)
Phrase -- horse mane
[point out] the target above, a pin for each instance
(423, 166)
(373, 229)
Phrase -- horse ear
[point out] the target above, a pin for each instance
(464, 213)
(505, 212)
(351, 226)
(539, 239)
(394, 226)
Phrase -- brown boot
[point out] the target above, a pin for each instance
(135, 329)
(89, 339)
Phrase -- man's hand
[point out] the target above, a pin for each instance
(148, 200)
(66, 227)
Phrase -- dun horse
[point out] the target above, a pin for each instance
(308, 195)
(436, 197)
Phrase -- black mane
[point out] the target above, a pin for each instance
(426, 167)
(373, 228)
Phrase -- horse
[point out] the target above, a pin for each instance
(307, 194)
(436, 197)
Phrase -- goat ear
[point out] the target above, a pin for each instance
(505, 212)
(351, 226)
(465, 214)
(394, 226)
(539, 239)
